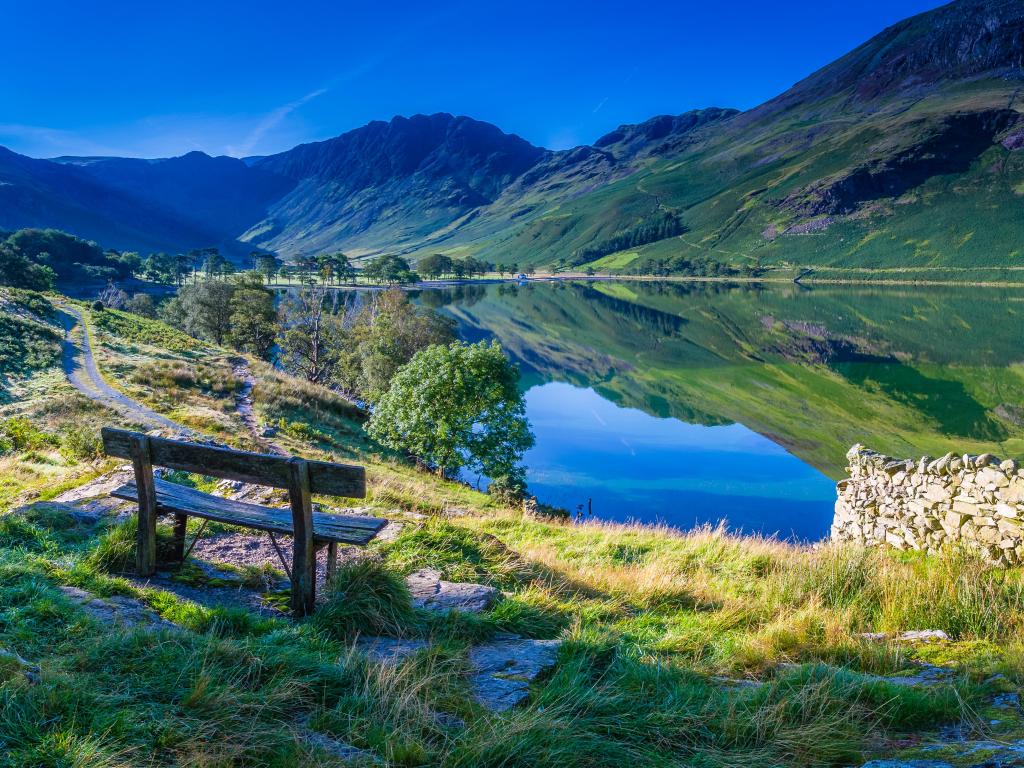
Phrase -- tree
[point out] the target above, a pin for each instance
(202, 310)
(435, 265)
(390, 269)
(19, 271)
(253, 317)
(383, 335)
(456, 406)
(142, 304)
(215, 265)
(310, 336)
(268, 265)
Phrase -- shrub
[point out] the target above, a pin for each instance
(364, 596)
(80, 443)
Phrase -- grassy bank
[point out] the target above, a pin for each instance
(697, 649)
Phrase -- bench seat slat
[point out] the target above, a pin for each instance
(171, 498)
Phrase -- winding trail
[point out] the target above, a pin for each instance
(80, 367)
(244, 407)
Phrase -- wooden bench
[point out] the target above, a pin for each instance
(300, 477)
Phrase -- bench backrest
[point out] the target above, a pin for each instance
(262, 469)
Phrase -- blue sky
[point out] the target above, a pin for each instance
(155, 79)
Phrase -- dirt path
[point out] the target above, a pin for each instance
(244, 407)
(80, 367)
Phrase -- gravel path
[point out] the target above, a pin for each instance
(80, 367)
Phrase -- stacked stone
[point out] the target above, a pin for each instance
(924, 505)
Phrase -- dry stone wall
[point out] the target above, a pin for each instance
(927, 504)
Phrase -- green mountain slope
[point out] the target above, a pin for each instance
(906, 153)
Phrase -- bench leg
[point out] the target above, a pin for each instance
(180, 524)
(145, 554)
(304, 557)
(332, 560)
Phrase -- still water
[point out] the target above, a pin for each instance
(694, 403)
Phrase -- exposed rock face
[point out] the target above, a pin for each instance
(431, 592)
(925, 504)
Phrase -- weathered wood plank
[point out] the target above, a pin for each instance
(145, 550)
(325, 478)
(172, 498)
(303, 546)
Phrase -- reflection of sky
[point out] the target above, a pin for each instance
(637, 466)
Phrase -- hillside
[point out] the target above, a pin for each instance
(662, 649)
(906, 153)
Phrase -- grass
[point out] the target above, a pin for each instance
(659, 629)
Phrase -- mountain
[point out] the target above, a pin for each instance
(904, 154)
(217, 194)
(388, 184)
(40, 193)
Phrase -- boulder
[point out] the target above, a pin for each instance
(431, 592)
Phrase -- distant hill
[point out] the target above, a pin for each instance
(906, 153)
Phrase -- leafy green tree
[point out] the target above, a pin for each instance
(69, 257)
(215, 265)
(19, 271)
(390, 269)
(310, 336)
(253, 317)
(142, 304)
(435, 265)
(384, 334)
(456, 406)
(202, 310)
(268, 265)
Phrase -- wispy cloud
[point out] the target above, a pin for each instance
(600, 104)
(269, 122)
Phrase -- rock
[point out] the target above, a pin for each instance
(429, 591)
(118, 610)
(504, 668)
(1007, 701)
(389, 650)
(12, 665)
(338, 749)
(911, 636)
(928, 675)
(924, 635)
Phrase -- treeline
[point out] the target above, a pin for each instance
(694, 266)
(35, 259)
(661, 226)
(352, 343)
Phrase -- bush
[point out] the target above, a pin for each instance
(22, 435)
(365, 597)
(79, 443)
(509, 490)
(97, 306)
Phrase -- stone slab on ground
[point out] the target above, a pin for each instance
(431, 592)
(504, 668)
(117, 610)
(389, 650)
(968, 754)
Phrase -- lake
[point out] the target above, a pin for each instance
(691, 403)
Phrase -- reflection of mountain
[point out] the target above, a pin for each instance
(906, 371)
